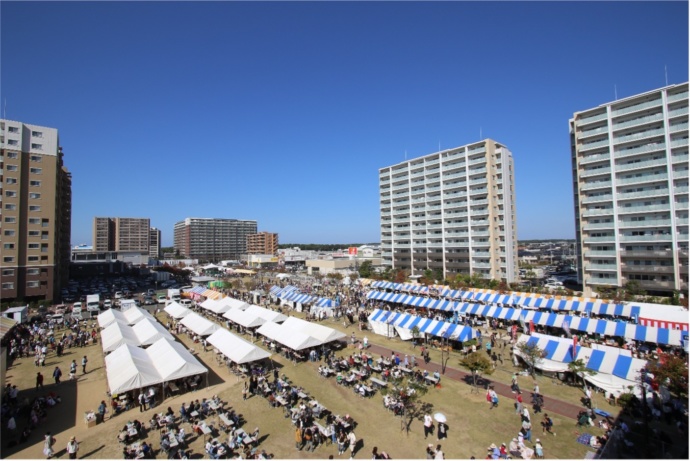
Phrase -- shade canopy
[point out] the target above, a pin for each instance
(320, 332)
(128, 317)
(234, 303)
(199, 325)
(176, 311)
(289, 338)
(235, 348)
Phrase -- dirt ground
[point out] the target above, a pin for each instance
(472, 426)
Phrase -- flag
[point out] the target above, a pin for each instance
(531, 326)
(522, 323)
(574, 346)
(566, 328)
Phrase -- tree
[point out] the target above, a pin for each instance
(478, 363)
(409, 393)
(579, 369)
(335, 276)
(415, 333)
(400, 276)
(532, 354)
(365, 269)
(632, 290)
(672, 372)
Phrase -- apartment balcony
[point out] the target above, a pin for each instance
(479, 212)
(643, 164)
(595, 185)
(432, 162)
(476, 150)
(402, 220)
(640, 269)
(643, 179)
(653, 284)
(433, 188)
(454, 175)
(594, 158)
(591, 119)
(680, 174)
(678, 112)
(454, 156)
(457, 245)
(479, 202)
(602, 254)
(599, 225)
(638, 136)
(680, 158)
(600, 239)
(454, 234)
(386, 254)
(651, 147)
(678, 127)
(481, 265)
(435, 245)
(593, 132)
(646, 238)
(597, 212)
(600, 267)
(477, 181)
(645, 223)
(481, 190)
(455, 214)
(679, 142)
(681, 221)
(400, 187)
(456, 225)
(644, 209)
(646, 254)
(433, 208)
(434, 226)
(480, 234)
(638, 121)
(456, 194)
(677, 97)
(598, 198)
(593, 145)
(642, 194)
(417, 200)
(477, 161)
(479, 222)
(637, 107)
(401, 203)
(480, 243)
(601, 281)
(417, 174)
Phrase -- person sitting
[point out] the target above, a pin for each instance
(362, 391)
(437, 375)
(146, 450)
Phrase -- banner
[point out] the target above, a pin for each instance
(524, 325)
(531, 326)
(566, 328)
(574, 346)
(352, 251)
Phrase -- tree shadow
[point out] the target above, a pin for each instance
(417, 413)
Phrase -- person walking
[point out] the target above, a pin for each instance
(299, 441)
(494, 398)
(39, 380)
(57, 374)
(48, 442)
(442, 431)
(72, 447)
(142, 402)
(73, 370)
(539, 449)
(428, 425)
(518, 403)
(352, 438)
(83, 365)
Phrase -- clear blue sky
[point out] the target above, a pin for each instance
(284, 112)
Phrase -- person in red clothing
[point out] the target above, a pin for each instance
(518, 403)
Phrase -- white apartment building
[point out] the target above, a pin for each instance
(452, 210)
(630, 180)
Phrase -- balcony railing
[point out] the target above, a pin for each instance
(595, 131)
(600, 239)
(591, 119)
(678, 112)
(646, 238)
(645, 268)
(651, 147)
(680, 174)
(600, 267)
(599, 225)
(605, 254)
(643, 193)
(593, 145)
(638, 121)
(598, 212)
(594, 158)
(646, 254)
(595, 185)
(636, 107)
(597, 198)
(601, 281)
(678, 127)
(644, 209)
(643, 178)
(636, 136)
(643, 164)
(646, 222)
(677, 97)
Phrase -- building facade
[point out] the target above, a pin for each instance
(121, 234)
(213, 239)
(263, 243)
(452, 210)
(155, 243)
(630, 184)
(36, 200)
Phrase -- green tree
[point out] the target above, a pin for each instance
(365, 269)
(672, 372)
(532, 354)
(579, 369)
(632, 289)
(478, 363)
(409, 393)
(415, 333)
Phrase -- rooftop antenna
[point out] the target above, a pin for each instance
(666, 74)
(480, 133)
(615, 92)
(4, 112)
(439, 145)
(405, 154)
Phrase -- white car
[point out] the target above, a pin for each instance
(107, 304)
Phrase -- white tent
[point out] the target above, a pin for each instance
(266, 314)
(149, 331)
(173, 360)
(176, 311)
(235, 348)
(107, 318)
(244, 318)
(320, 332)
(292, 339)
(209, 303)
(219, 307)
(116, 334)
(199, 325)
(129, 367)
(136, 314)
(234, 303)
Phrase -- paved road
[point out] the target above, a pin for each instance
(550, 404)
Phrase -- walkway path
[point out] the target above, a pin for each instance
(550, 404)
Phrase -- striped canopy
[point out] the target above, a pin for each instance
(429, 326)
(297, 297)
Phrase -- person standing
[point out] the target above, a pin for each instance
(48, 442)
(442, 431)
(352, 438)
(57, 374)
(83, 365)
(299, 441)
(439, 453)
(72, 447)
(73, 370)
(102, 409)
(430, 452)
(539, 449)
(39, 380)
(518, 403)
(142, 402)
(428, 425)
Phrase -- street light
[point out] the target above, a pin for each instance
(445, 354)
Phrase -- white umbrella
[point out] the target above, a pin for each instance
(440, 417)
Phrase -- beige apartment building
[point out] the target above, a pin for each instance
(630, 182)
(452, 210)
(36, 210)
(263, 243)
(213, 239)
(121, 234)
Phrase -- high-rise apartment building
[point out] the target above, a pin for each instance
(36, 201)
(630, 182)
(121, 234)
(155, 243)
(452, 210)
(212, 239)
(263, 243)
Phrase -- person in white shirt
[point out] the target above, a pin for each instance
(428, 425)
(439, 453)
(72, 447)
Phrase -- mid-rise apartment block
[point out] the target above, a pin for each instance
(121, 234)
(36, 204)
(155, 243)
(213, 239)
(452, 210)
(630, 182)
(263, 243)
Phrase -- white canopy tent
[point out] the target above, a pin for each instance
(136, 314)
(320, 332)
(199, 325)
(235, 348)
(209, 303)
(266, 314)
(244, 318)
(292, 339)
(219, 307)
(234, 303)
(176, 311)
(107, 318)
(130, 367)
(116, 334)
(149, 331)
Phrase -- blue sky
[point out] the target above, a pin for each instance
(284, 112)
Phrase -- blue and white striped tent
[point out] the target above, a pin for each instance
(326, 302)
(199, 289)
(432, 327)
(274, 290)
(297, 297)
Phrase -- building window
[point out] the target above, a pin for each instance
(10, 219)
(34, 195)
(34, 220)
(35, 146)
(11, 181)
(12, 142)
(12, 155)
(13, 129)
(44, 235)
(8, 272)
(8, 286)
(34, 208)
(34, 233)
(34, 246)
(37, 134)
(10, 193)
(9, 233)
(33, 259)
(10, 206)
(35, 183)
(8, 259)
(8, 246)
(33, 284)
(45, 222)
(44, 248)
(12, 167)
(33, 271)
(36, 158)
(36, 170)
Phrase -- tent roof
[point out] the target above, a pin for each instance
(199, 325)
(232, 302)
(105, 319)
(288, 337)
(266, 314)
(129, 367)
(244, 318)
(173, 360)
(117, 334)
(320, 332)
(177, 311)
(149, 331)
(235, 348)
(209, 303)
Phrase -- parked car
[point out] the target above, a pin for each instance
(161, 299)
(149, 301)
